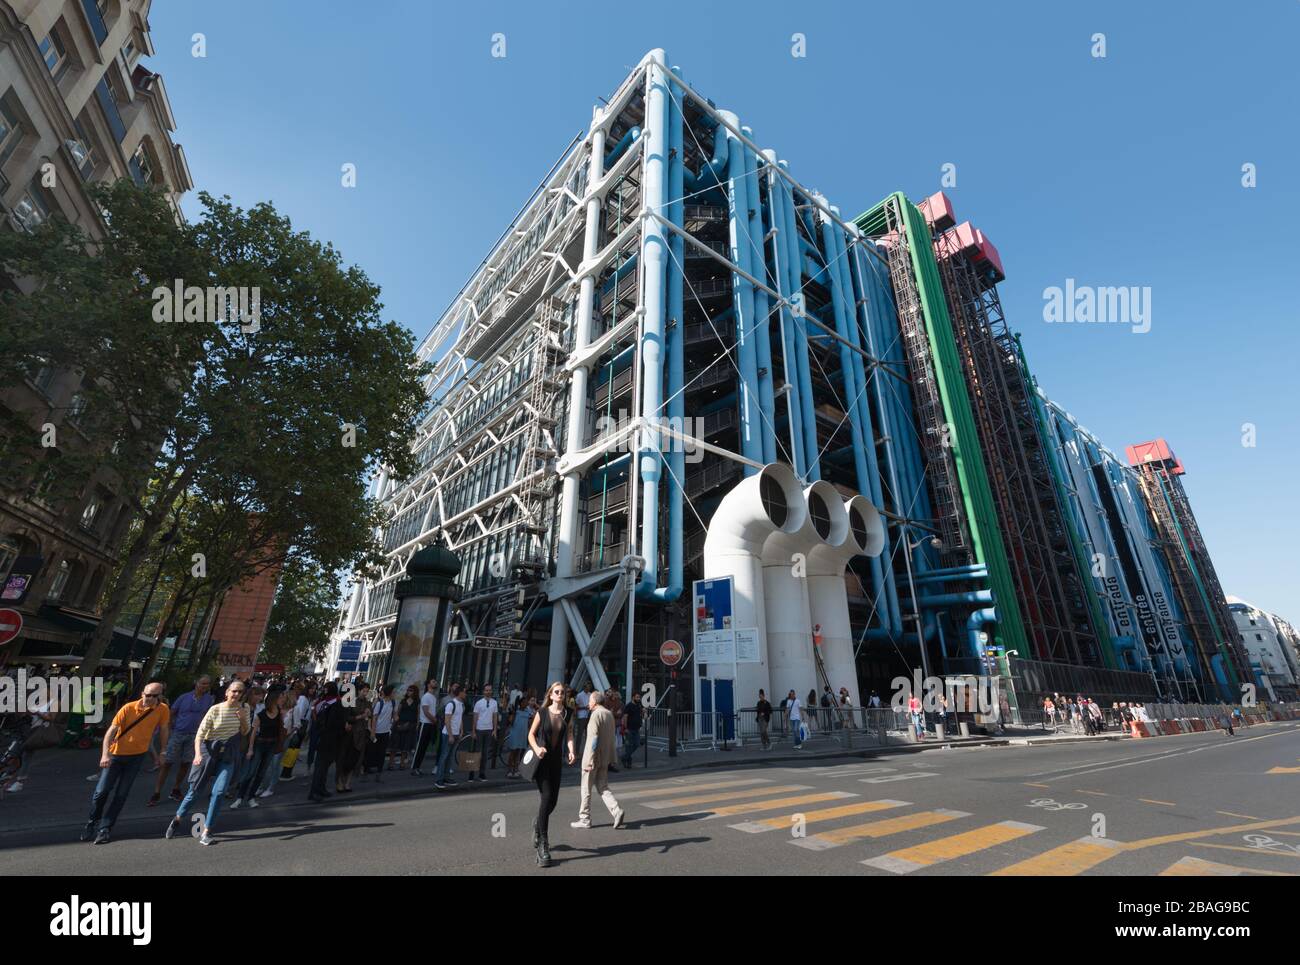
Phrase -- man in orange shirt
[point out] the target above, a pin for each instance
(126, 745)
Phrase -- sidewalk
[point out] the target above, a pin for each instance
(57, 792)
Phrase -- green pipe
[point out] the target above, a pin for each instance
(977, 498)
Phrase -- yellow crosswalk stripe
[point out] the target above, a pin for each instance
(678, 802)
(1199, 867)
(752, 807)
(688, 788)
(908, 860)
(878, 829)
(811, 817)
(1069, 859)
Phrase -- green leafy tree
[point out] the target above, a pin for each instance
(302, 617)
(82, 301)
(270, 424)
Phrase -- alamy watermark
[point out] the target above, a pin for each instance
(213, 304)
(968, 693)
(1085, 304)
(676, 434)
(23, 694)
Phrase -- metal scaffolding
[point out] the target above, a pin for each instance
(1034, 528)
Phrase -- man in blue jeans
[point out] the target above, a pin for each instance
(795, 709)
(126, 745)
(453, 724)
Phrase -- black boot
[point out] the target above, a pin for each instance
(537, 835)
(544, 853)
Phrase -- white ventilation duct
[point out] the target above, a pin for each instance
(760, 506)
(785, 587)
(863, 534)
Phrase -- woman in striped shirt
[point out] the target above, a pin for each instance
(216, 756)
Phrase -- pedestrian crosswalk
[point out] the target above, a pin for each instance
(907, 860)
(877, 829)
(885, 834)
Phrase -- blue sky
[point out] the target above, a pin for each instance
(1117, 171)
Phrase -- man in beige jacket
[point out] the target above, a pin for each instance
(597, 755)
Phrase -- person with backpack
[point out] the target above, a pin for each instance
(331, 726)
(828, 707)
(453, 727)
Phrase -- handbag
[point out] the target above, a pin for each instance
(528, 765)
(469, 760)
(290, 757)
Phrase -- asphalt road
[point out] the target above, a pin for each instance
(1193, 804)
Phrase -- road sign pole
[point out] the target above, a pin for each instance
(672, 718)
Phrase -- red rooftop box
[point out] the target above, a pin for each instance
(1157, 450)
(990, 254)
(937, 210)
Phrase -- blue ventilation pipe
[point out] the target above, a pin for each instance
(713, 171)
(1221, 678)
(655, 258)
(648, 587)
(781, 281)
(762, 329)
(974, 622)
(624, 143)
(812, 461)
(971, 572)
(971, 597)
(751, 443)
(841, 264)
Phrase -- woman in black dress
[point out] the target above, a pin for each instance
(551, 730)
(408, 715)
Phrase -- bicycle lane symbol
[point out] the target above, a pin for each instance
(1047, 804)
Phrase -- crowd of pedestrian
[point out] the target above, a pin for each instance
(1082, 715)
(230, 744)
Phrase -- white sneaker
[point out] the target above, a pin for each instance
(618, 818)
(15, 787)
(205, 839)
(266, 793)
(586, 825)
(234, 805)
(252, 802)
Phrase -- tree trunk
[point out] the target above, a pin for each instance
(121, 592)
(160, 636)
(212, 622)
(195, 638)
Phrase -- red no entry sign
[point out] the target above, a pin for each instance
(11, 624)
(671, 653)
